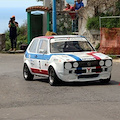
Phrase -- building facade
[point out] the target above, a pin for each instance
(92, 7)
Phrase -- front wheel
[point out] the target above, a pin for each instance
(26, 73)
(53, 79)
(106, 81)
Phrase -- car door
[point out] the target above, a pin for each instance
(42, 55)
(33, 54)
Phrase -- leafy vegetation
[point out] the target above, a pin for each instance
(97, 46)
(114, 57)
(21, 38)
(93, 23)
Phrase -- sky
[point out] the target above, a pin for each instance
(9, 8)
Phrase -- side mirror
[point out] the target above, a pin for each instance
(42, 51)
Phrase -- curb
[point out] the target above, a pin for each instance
(116, 60)
(13, 52)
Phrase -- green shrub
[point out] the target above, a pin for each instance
(97, 46)
(114, 57)
(93, 23)
(7, 45)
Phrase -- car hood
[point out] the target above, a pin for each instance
(82, 56)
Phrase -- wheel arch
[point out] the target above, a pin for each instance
(54, 66)
(56, 79)
(28, 64)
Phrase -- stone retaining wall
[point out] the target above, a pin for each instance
(2, 41)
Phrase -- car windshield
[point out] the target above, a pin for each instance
(70, 46)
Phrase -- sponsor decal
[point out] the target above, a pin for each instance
(87, 59)
(88, 70)
(98, 67)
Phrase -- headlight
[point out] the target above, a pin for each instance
(108, 63)
(75, 64)
(68, 66)
(101, 63)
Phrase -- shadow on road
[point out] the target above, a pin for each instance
(91, 83)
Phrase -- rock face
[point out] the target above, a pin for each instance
(93, 36)
(92, 8)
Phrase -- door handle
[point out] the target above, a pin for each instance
(35, 56)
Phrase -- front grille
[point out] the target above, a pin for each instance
(84, 66)
(88, 76)
(97, 70)
(80, 71)
(89, 63)
(92, 63)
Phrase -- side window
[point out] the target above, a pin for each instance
(33, 46)
(44, 45)
(39, 46)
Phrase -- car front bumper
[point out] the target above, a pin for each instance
(71, 76)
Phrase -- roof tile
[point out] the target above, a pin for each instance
(34, 8)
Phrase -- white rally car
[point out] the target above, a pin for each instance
(69, 58)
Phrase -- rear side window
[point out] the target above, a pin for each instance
(39, 46)
(44, 45)
(33, 46)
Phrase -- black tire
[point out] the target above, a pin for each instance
(26, 73)
(105, 81)
(53, 79)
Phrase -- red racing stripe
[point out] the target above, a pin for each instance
(96, 57)
(45, 72)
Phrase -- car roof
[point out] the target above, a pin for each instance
(61, 36)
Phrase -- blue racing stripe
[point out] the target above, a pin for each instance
(47, 57)
(75, 57)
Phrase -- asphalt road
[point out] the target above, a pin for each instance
(37, 100)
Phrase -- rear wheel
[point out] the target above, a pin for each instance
(105, 81)
(53, 79)
(26, 73)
